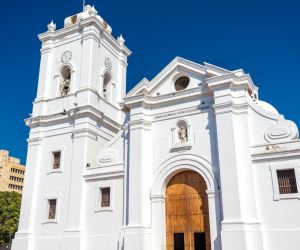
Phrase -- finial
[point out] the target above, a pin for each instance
(51, 26)
(93, 11)
(121, 40)
(87, 8)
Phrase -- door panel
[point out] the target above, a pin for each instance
(187, 212)
(178, 241)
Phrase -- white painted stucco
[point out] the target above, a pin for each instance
(129, 143)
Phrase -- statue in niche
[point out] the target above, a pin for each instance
(65, 87)
(182, 134)
(66, 81)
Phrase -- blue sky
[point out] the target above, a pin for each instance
(262, 37)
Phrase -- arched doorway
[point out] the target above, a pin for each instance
(187, 217)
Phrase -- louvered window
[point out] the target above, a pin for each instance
(52, 209)
(56, 159)
(287, 181)
(105, 197)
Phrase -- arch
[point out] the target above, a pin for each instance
(106, 84)
(162, 176)
(65, 76)
(179, 163)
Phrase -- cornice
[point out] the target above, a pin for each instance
(85, 132)
(144, 99)
(140, 124)
(276, 151)
(74, 94)
(74, 113)
(34, 141)
(229, 81)
(104, 173)
(181, 113)
(92, 20)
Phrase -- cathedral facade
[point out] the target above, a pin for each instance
(191, 160)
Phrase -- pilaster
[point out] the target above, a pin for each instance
(240, 226)
(137, 232)
(45, 70)
(24, 236)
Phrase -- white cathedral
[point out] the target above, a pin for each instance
(191, 160)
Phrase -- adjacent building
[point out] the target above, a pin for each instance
(11, 173)
(189, 160)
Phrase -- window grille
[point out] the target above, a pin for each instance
(287, 181)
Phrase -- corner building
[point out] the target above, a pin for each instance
(189, 160)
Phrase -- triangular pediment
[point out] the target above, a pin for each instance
(164, 82)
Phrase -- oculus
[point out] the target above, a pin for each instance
(182, 83)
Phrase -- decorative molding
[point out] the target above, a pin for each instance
(85, 132)
(158, 198)
(107, 158)
(103, 175)
(284, 130)
(140, 124)
(181, 147)
(276, 151)
(34, 141)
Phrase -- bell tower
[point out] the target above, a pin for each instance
(82, 62)
(77, 110)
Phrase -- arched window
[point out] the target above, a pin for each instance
(65, 80)
(106, 85)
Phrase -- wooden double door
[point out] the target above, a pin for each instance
(187, 218)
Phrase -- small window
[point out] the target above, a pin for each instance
(56, 159)
(182, 83)
(52, 209)
(105, 197)
(287, 181)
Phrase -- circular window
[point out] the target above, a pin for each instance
(182, 83)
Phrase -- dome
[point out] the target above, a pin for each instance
(268, 107)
